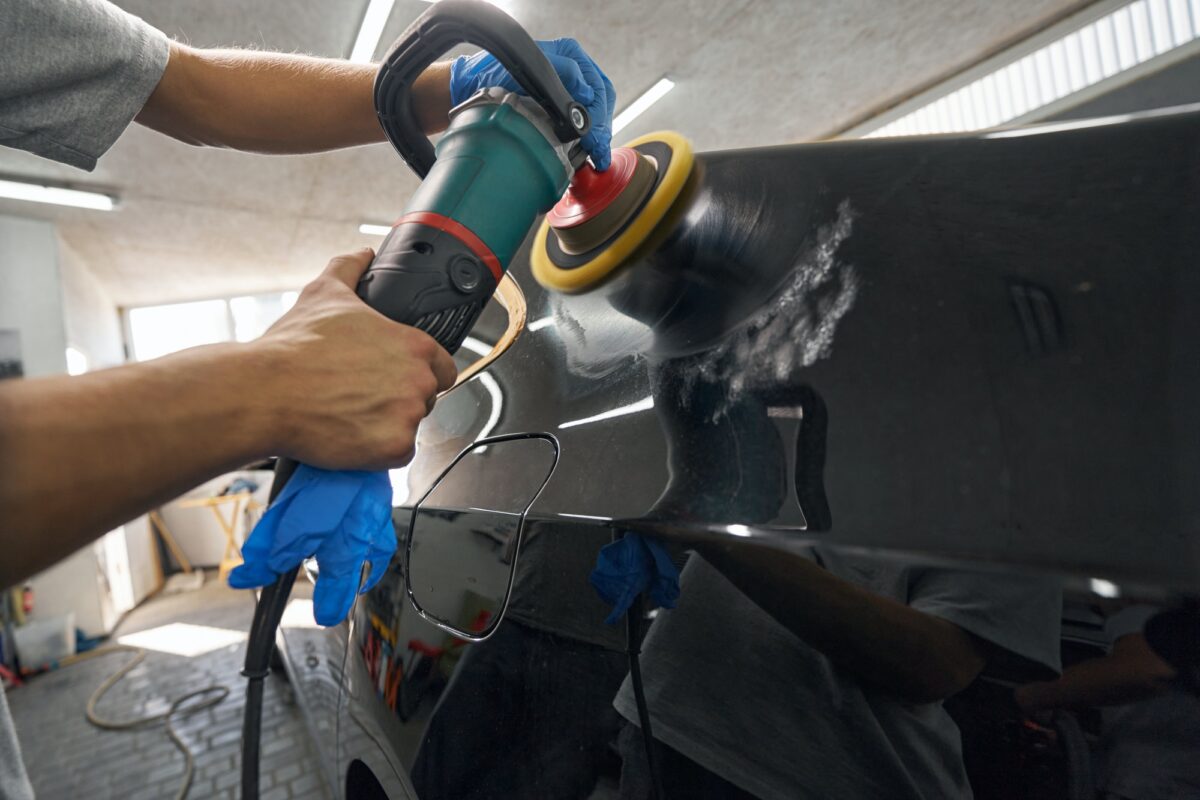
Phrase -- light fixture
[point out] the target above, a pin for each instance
(38, 193)
(374, 230)
(639, 106)
(503, 5)
(373, 21)
(1100, 48)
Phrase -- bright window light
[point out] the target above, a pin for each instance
(160, 330)
(252, 315)
(36, 193)
(184, 639)
(1130, 36)
(77, 362)
(373, 22)
(374, 230)
(639, 106)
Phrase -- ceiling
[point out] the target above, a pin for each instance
(196, 223)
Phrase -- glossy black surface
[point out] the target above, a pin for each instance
(974, 352)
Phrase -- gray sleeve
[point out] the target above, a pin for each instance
(73, 75)
(1022, 615)
(14, 783)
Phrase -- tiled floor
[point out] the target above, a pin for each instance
(67, 757)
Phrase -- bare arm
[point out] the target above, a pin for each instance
(333, 383)
(1131, 672)
(914, 655)
(278, 102)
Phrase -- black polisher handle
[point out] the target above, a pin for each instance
(429, 280)
(453, 22)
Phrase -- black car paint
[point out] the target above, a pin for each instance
(973, 348)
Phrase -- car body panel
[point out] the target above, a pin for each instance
(975, 349)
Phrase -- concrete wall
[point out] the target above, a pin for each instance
(53, 301)
(93, 324)
(31, 293)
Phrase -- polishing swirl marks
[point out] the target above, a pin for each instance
(790, 332)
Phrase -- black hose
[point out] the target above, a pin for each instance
(267, 614)
(633, 621)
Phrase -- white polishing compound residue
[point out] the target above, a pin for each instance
(794, 330)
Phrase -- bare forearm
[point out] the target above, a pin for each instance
(277, 102)
(884, 643)
(80, 456)
(1130, 673)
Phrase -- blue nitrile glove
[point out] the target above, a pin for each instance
(582, 78)
(344, 518)
(629, 566)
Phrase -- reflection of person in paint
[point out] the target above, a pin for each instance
(797, 674)
(1151, 722)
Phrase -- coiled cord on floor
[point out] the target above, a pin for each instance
(215, 694)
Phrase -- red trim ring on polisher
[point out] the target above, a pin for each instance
(458, 231)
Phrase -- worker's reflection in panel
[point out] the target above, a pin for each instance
(808, 673)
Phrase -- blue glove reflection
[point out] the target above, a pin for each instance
(582, 78)
(629, 566)
(344, 518)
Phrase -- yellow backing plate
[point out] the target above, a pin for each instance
(636, 231)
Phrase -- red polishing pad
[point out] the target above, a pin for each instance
(591, 192)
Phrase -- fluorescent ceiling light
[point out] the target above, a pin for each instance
(373, 22)
(639, 106)
(538, 324)
(374, 230)
(183, 639)
(36, 193)
(645, 404)
(1035, 78)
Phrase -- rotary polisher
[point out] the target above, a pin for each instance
(504, 159)
(604, 217)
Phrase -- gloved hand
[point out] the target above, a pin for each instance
(629, 566)
(580, 75)
(342, 517)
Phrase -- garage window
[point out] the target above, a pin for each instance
(159, 330)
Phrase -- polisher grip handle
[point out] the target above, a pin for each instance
(427, 279)
(442, 26)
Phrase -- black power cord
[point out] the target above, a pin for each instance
(633, 628)
(267, 614)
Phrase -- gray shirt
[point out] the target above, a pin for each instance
(73, 75)
(14, 784)
(735, 691)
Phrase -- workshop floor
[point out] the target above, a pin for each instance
(67, 757)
